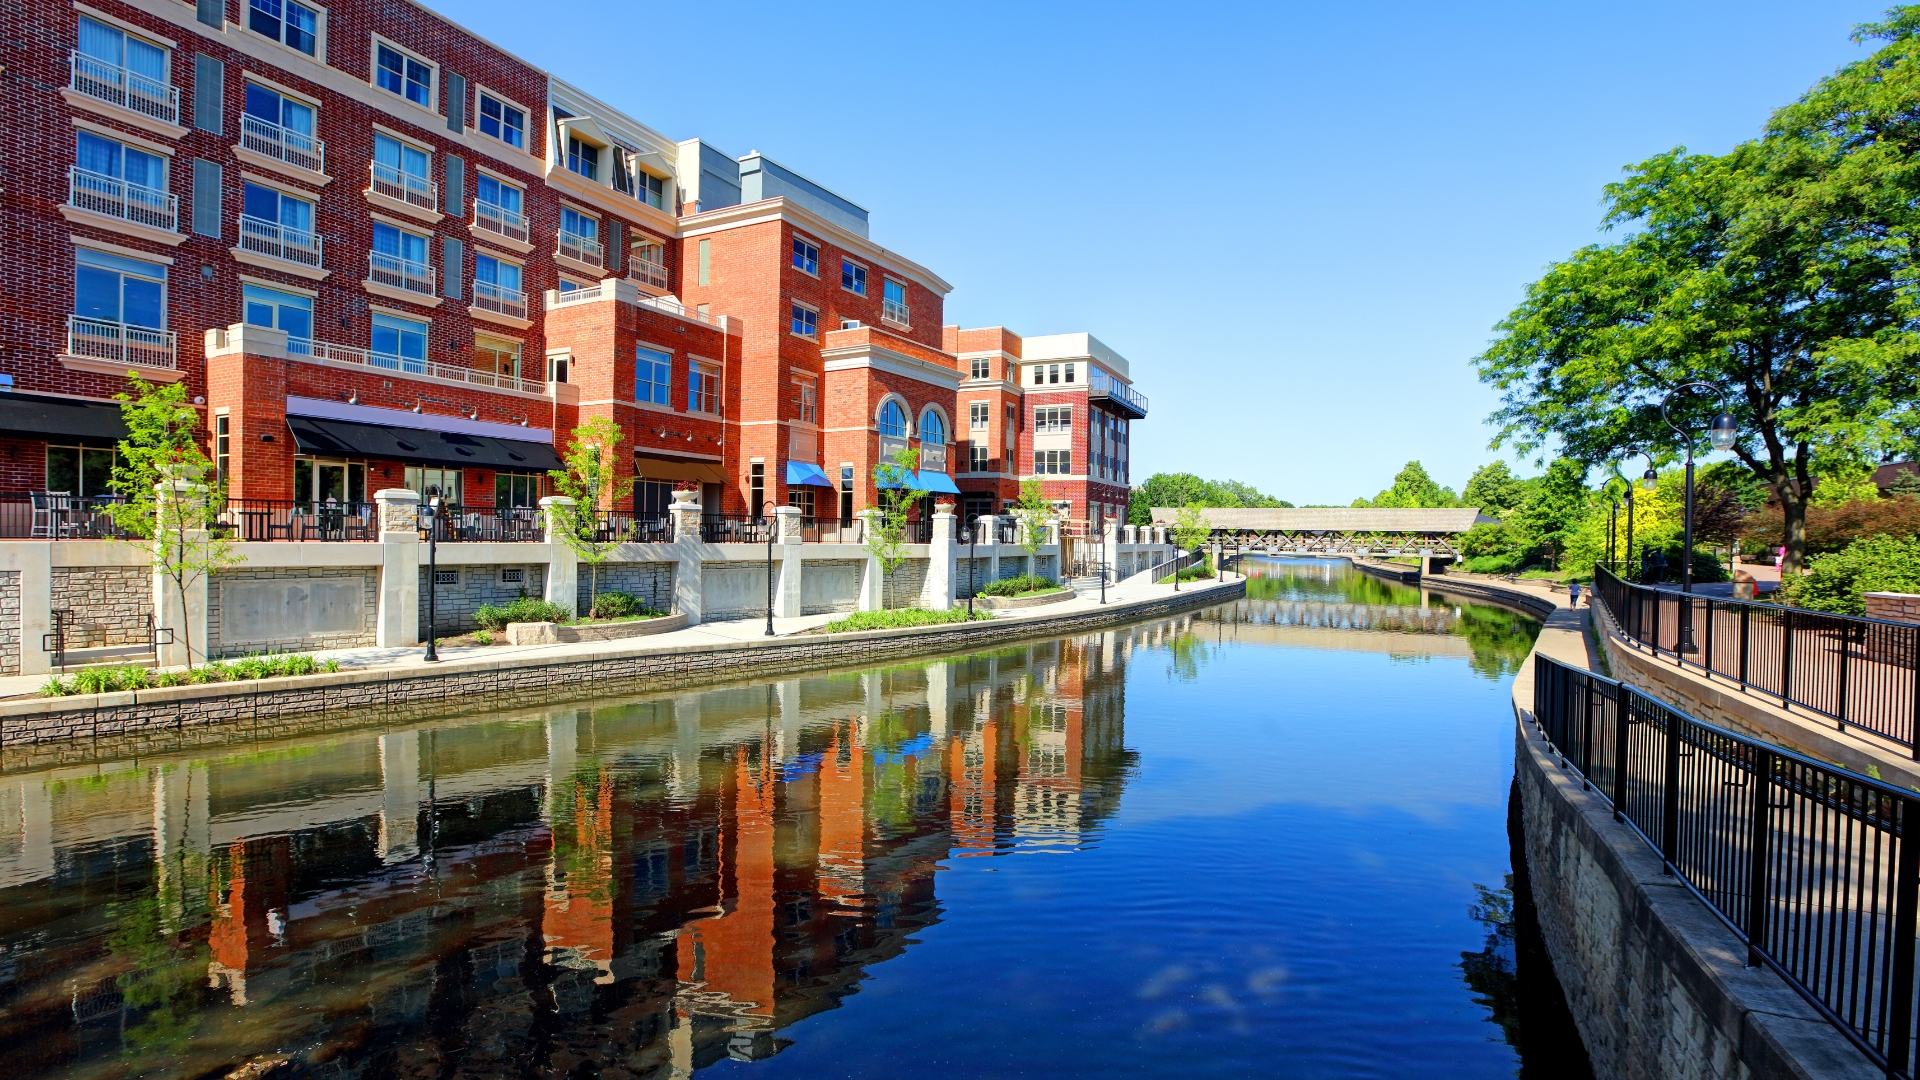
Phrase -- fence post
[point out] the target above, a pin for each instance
(1653, 641)
(1846, 654)
(1786, 659)
(1744, 612)
(1670, 803)
(1586, 734)
(1706, 656)
(1623, 718)
(1913, 717)
(1760, 827)
(1906, 892)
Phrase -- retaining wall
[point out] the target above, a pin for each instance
(110, 604)
(290, 610)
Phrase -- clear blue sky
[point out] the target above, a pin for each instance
(1299, 222)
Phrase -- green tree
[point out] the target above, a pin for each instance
(169, 492)
(1557, 509)
(1032, 511)
(1906, 485)
(1190, 528)
(1775, 272)
(1836, 581)
(1412, 487)
(895, 478)
(1494, 490)
(1179, 489)
(592, 482)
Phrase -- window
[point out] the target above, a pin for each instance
(430, 482)
(933, 428)
(703, 387)
(400, 172)
(400, 344)
(502, 201)
(498, 355)
(1039, 374)
(123, 69)
(802, 496)
(280, 127)
(80, 470)
(977, 415)
(806, 256)
(447, 577)
(1012, 414)
(893, 420)
(653, 190)
(1053, 462)
(502, 121)
(516, 489)
(290, 24)
(805, 401)
(846, 493)
(496, 285)
(280, 311)
(132, 166)
(806, 321)
(853, 277)
(509, 575)
(557, 365)
(1053, 420)
(1069, 377)
(893, 304)
(757, 488)
(397, 73)
(580, 226)
(275, 223)
(977, 458)
(115, 289)
(652, 375)
(222, 446)
(982, 368)
(583, 158)
(316, 481)
(849, 324)
(399, 259)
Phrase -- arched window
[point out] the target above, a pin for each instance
(932, 428)
(893, 420)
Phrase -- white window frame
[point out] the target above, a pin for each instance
(526, 118)
(808, 399)
(906, 303)
(866, 276)
(711, 372)
(980, 367)
(1053, 420)
(319, 53)
(658, 350)
(979, 415)
(979, 457)
(796, 305)
(801, 238)
(373, 73)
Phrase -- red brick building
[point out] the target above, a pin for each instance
(380, 251)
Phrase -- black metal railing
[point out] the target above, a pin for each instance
(920, 532)
(287, 519)
(1808, 863)
(481, 524)
(735, 529)
(832, 530)
(1862, 673)
(623, 527)
(1176, 564)
(1007, 531)
(48, 515)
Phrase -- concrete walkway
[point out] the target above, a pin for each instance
(706, 633)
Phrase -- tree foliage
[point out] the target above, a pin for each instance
(1836, 581)
(1412, 487)
(1494, 490)
(590, 480)
(1181, 489)
(897, 481)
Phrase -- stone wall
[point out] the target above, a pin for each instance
(830, 585)
(10, 634)
(1012, 566)
(297, 609)
(474, 586)
(1894, 607)
(652, 582)
(1047, 566)
(966, 582)
(111, 604)
(734, 590)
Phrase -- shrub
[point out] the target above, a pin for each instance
(1191, 573)
(1019, 586)
(1706, 565)
(483, 637)
(1506, 562)
(524, 609)
(614, 604)
(896, 618)
(1835, 581)
(1832, 528)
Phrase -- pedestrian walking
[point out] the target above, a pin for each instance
(1573, 594)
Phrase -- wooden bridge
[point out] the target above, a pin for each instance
(1339, 530)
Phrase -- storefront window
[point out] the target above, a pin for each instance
(80, 470)
(429, 482)
(516, 489)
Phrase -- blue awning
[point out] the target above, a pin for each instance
(937, 481)
(800, 472)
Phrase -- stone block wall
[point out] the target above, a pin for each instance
(297, 609)
(734, 590)
(110, 604)
(10, 634)
(462, 591)
(830, 585)
(908, 586)
(966, 581)
(1894, 607)
(651, 582)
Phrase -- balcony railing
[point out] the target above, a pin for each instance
(1100, 386)
(287, 519)
(582, 249)
(277, 241)
(648, 273)
(482, 524)
(404, 187)
(399, 273)
(118, 199)
(500, 221)
(490, 297)
(117, 86)
(894, 312)
(347, 354)
(595, 293)
(735, 529)
(268, 139)
(137, 346)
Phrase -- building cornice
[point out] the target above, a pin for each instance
(894, 363)
(778, 209)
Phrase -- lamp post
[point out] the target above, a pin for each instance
(771, 530)
(433, 578)
(1722, 434)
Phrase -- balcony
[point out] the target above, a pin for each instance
(623, 290)
(403, 187)
(98, 194)
(102, 81)
(581, 249)
(270, 140)
(398, 273)
(1118, 396)
(499, 221)
(651, 274)
(275, 241)
(501, 301)
(894, 312)
(409, 365)
(120, 344)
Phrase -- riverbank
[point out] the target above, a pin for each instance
(379, 686)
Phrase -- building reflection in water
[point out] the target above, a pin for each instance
(646, 887)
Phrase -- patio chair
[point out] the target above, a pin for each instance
(46, 524)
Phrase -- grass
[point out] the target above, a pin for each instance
(1024, 585)
(1191, 573)
(107, 680)
(899, 618)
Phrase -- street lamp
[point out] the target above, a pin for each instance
(433, 577)
(1722, 434)
(762, 512)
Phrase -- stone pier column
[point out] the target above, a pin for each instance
(787, 742)
(989, 529)
(786, 587)
(398, 626)
(872, 578)
(36, 605)
(563, 564)
(687, 568)
(940, 569)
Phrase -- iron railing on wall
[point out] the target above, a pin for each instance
(1862, 673)
(1809, 864)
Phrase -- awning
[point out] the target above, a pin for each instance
(94, 423)
(412, 446)
(801, 472)
(651, 467)
(937, 481)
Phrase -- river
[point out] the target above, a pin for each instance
(1269, 837)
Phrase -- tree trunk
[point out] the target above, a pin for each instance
(1793, 515)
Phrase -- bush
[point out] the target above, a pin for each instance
(1020, 586)
(107, 680)
(524, 609)
(897, 618)
(1835, 581)
(1505, 562)
(1191, 573)
(1706, 565)
(614, 604)
(1832, 528)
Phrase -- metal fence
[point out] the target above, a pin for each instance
(1854, 671)
(1808, 863)
(832, 530)
(735, 529)
(482, 524)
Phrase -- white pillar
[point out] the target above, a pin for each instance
(687, 568)
(872, 579)
(36, 606)
(786, 588)
(1110, 549)
(940, 570)
(563, 565)
(988, 529)
(684, 779)
(399, 622)
(399, 797)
